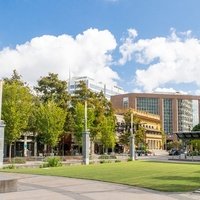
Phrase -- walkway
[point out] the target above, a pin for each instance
(33, 187)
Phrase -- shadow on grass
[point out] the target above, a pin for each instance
(174, 162)
(178, 183)
(179, 178)
(174, 188)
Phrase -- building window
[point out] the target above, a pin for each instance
(125, 102)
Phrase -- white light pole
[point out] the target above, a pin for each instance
(1, 127)
(86, 139)
(132, 140)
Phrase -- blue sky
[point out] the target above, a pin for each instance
(143, 45)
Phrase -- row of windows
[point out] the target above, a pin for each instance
(148, 104)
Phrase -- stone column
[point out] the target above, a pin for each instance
(1, 143)
(35, 147)
(132, 140)
(132, 147)
(86, 147)
(25, 146)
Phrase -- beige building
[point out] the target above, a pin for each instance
(152, 125)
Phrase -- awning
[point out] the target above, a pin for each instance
(193, 135)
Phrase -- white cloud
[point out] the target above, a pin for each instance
(126, 48)
(88, 54)
(174, 59)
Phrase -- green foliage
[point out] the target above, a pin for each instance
(50, 88)
(16, 109)
(108, 132)
(10, 167)
(53, 162)
(196, 128)
(196, 144)
(79, 122)
(105, 161)
(138, 130)
(50, 122)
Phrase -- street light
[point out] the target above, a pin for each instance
(86, 138)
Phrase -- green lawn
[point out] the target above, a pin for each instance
(174, 177)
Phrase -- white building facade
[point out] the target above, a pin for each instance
(94, 86)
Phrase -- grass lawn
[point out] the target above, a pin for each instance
(174, 177)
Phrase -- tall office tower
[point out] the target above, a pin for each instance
(176, 110)
(94, 86)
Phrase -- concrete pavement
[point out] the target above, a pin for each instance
(32, 187)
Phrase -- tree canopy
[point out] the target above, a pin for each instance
(50, 121)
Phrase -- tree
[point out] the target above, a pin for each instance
(100, 113)
(50, 121)
(139, 131)
(196, 127)
(16, 109)
(50, 88)
(108, 132)
(14, 78)
(102, 110)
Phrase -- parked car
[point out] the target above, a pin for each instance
(174, 152)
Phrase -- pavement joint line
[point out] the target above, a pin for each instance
(74, 195)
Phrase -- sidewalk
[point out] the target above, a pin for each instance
(31, 187)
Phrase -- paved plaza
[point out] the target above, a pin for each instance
(32, 187)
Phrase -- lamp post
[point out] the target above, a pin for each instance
(132, 140)
(86, 138)
(1, 127)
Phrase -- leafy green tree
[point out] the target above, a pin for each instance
(138, 130)
(196, 128)
(16, 109)
(50, 88)
(102, 110)
(81, 95)
(15, 77)
(79, 122)
(50, 122)
(108, 132)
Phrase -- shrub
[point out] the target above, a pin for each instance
(53, 162)
(105, 161)
(9, 167)
(117, 161)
